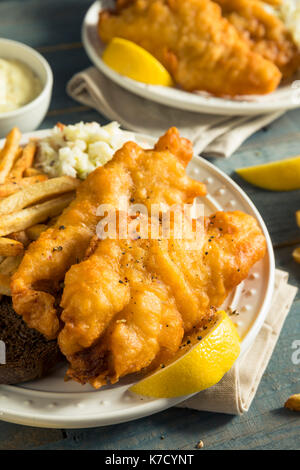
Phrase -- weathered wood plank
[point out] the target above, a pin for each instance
(71, 118)
(42, 23)
(21, 437)
(280, 140)
(65, 64)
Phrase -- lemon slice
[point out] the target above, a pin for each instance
(296, 255)
(283, 175)
(201, 362)
(131, 60)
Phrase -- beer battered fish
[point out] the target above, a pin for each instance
(201, 49)
(133, 175)
(129, 304)
(264, 32)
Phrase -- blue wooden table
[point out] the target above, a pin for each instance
(53, 28)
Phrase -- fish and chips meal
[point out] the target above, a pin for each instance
(114, 305)
(228, 48)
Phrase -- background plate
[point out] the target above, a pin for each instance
(51, 402)
(286, 97)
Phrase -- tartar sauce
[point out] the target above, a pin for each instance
(18, 85)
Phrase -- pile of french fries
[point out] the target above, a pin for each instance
(29, 203)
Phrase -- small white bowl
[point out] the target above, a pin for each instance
(28, 117)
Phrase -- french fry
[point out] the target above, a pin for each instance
(24, 161)
(33, 215)
(9, 153)
(5, 284)
(7, 268)
(298, 218)
(37, 192)
(12, 187)
(32, 172)
(2, 258)
(20, 237)
(35, 231)
(10, 265)
(9, 247)
(18, 154)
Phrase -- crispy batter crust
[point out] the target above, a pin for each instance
(142, 296)
(266, 34)
(134, 175)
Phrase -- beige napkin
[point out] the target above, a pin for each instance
(212, 135)
(235, 392)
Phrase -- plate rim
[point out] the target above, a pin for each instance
(201, 104)
(154, 406)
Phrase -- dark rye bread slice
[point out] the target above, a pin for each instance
(28, 354)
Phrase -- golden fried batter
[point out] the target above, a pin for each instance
(130, 302)
(200, 48)
(265, 33)
(134, 175)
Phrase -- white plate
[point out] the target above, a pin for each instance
(51, 402)
(286, 97)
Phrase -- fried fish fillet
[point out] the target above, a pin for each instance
(265, 33)
(129, 304)
(199, 47)
(134, 175)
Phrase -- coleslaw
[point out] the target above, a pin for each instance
(77, 150)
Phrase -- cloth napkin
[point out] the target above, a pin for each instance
(235, 392)
(211, 135)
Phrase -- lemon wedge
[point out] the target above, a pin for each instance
(201, 362)
(131, 60)
(283, 175)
